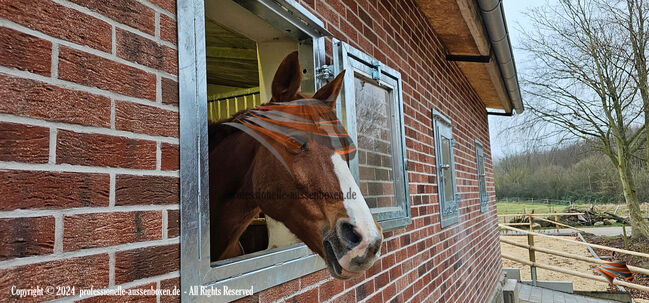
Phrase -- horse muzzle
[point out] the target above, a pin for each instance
(350, 250)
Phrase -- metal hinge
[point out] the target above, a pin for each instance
(453, 142)
(325, 73)
(376, 69)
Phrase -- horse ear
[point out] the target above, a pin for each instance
(288, 78)
(329, 93)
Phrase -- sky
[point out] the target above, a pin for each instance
(502, 141)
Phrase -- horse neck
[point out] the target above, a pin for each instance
(230, 173)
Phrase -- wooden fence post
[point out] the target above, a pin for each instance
(556, 219)
(530, 242)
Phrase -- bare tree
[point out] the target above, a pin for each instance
(631, 16)
(582, 86)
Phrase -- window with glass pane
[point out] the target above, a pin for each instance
(482, 182)
(375, 121)
(445, 160)
(374, 144)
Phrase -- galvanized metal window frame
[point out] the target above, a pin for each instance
(264, 269)
(448, 208)
(356, 63)
(481, 174)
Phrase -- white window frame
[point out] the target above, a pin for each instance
(482, 186)
(448, 208)
(355, 62)
(263, 269)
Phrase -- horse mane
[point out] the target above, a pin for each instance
(217, 131)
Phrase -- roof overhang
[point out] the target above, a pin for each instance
(476, 38)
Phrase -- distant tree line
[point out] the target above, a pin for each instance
(575, 172)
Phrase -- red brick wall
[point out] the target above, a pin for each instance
(89, 153)
(88, 145)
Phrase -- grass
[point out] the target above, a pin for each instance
(520, 207)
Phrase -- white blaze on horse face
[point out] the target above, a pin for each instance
(359, 214)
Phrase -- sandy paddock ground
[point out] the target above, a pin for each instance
(543, 274)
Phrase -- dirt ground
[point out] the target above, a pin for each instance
(543, 274)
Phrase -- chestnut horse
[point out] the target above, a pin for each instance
(341, 230)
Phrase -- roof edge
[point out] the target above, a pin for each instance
(493, 15)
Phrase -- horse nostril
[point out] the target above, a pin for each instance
(349, 236)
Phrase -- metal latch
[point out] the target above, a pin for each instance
(325, 73)
(453, 142)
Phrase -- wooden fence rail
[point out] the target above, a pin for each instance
(576, 273)
(533, 264)
(628, 252)
(540, 215)
(635, 269)
(532, 217)
(559, 224)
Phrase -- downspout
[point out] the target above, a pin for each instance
(493, 15)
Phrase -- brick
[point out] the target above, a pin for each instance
(146, 262)
(314, 278)
(146, 190)
(346, 297)
(168, 29)
(128, 12)
(25, 52)
(138, 49)
(330, 289)
(104, 150)
(35, 99)
(363, 290)
(389, 292)
(168, 5)
(91, 70)
(108, 229)
(147, 296)
(173, 223)
(24, 143)
(365, 17)
(82, 272)
(48, 190)
(310, 296)
(146, 119)
(170, 284)
(23, 237)
(59, 21)
(169, 91)
(277, 292)
(381, 280)
(170, 156)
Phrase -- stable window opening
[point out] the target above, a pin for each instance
(229, 52)
(445, 163)
(371, 107)
(482, 181)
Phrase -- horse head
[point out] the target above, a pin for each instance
(323, 206)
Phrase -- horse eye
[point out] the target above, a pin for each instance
(303, 147)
